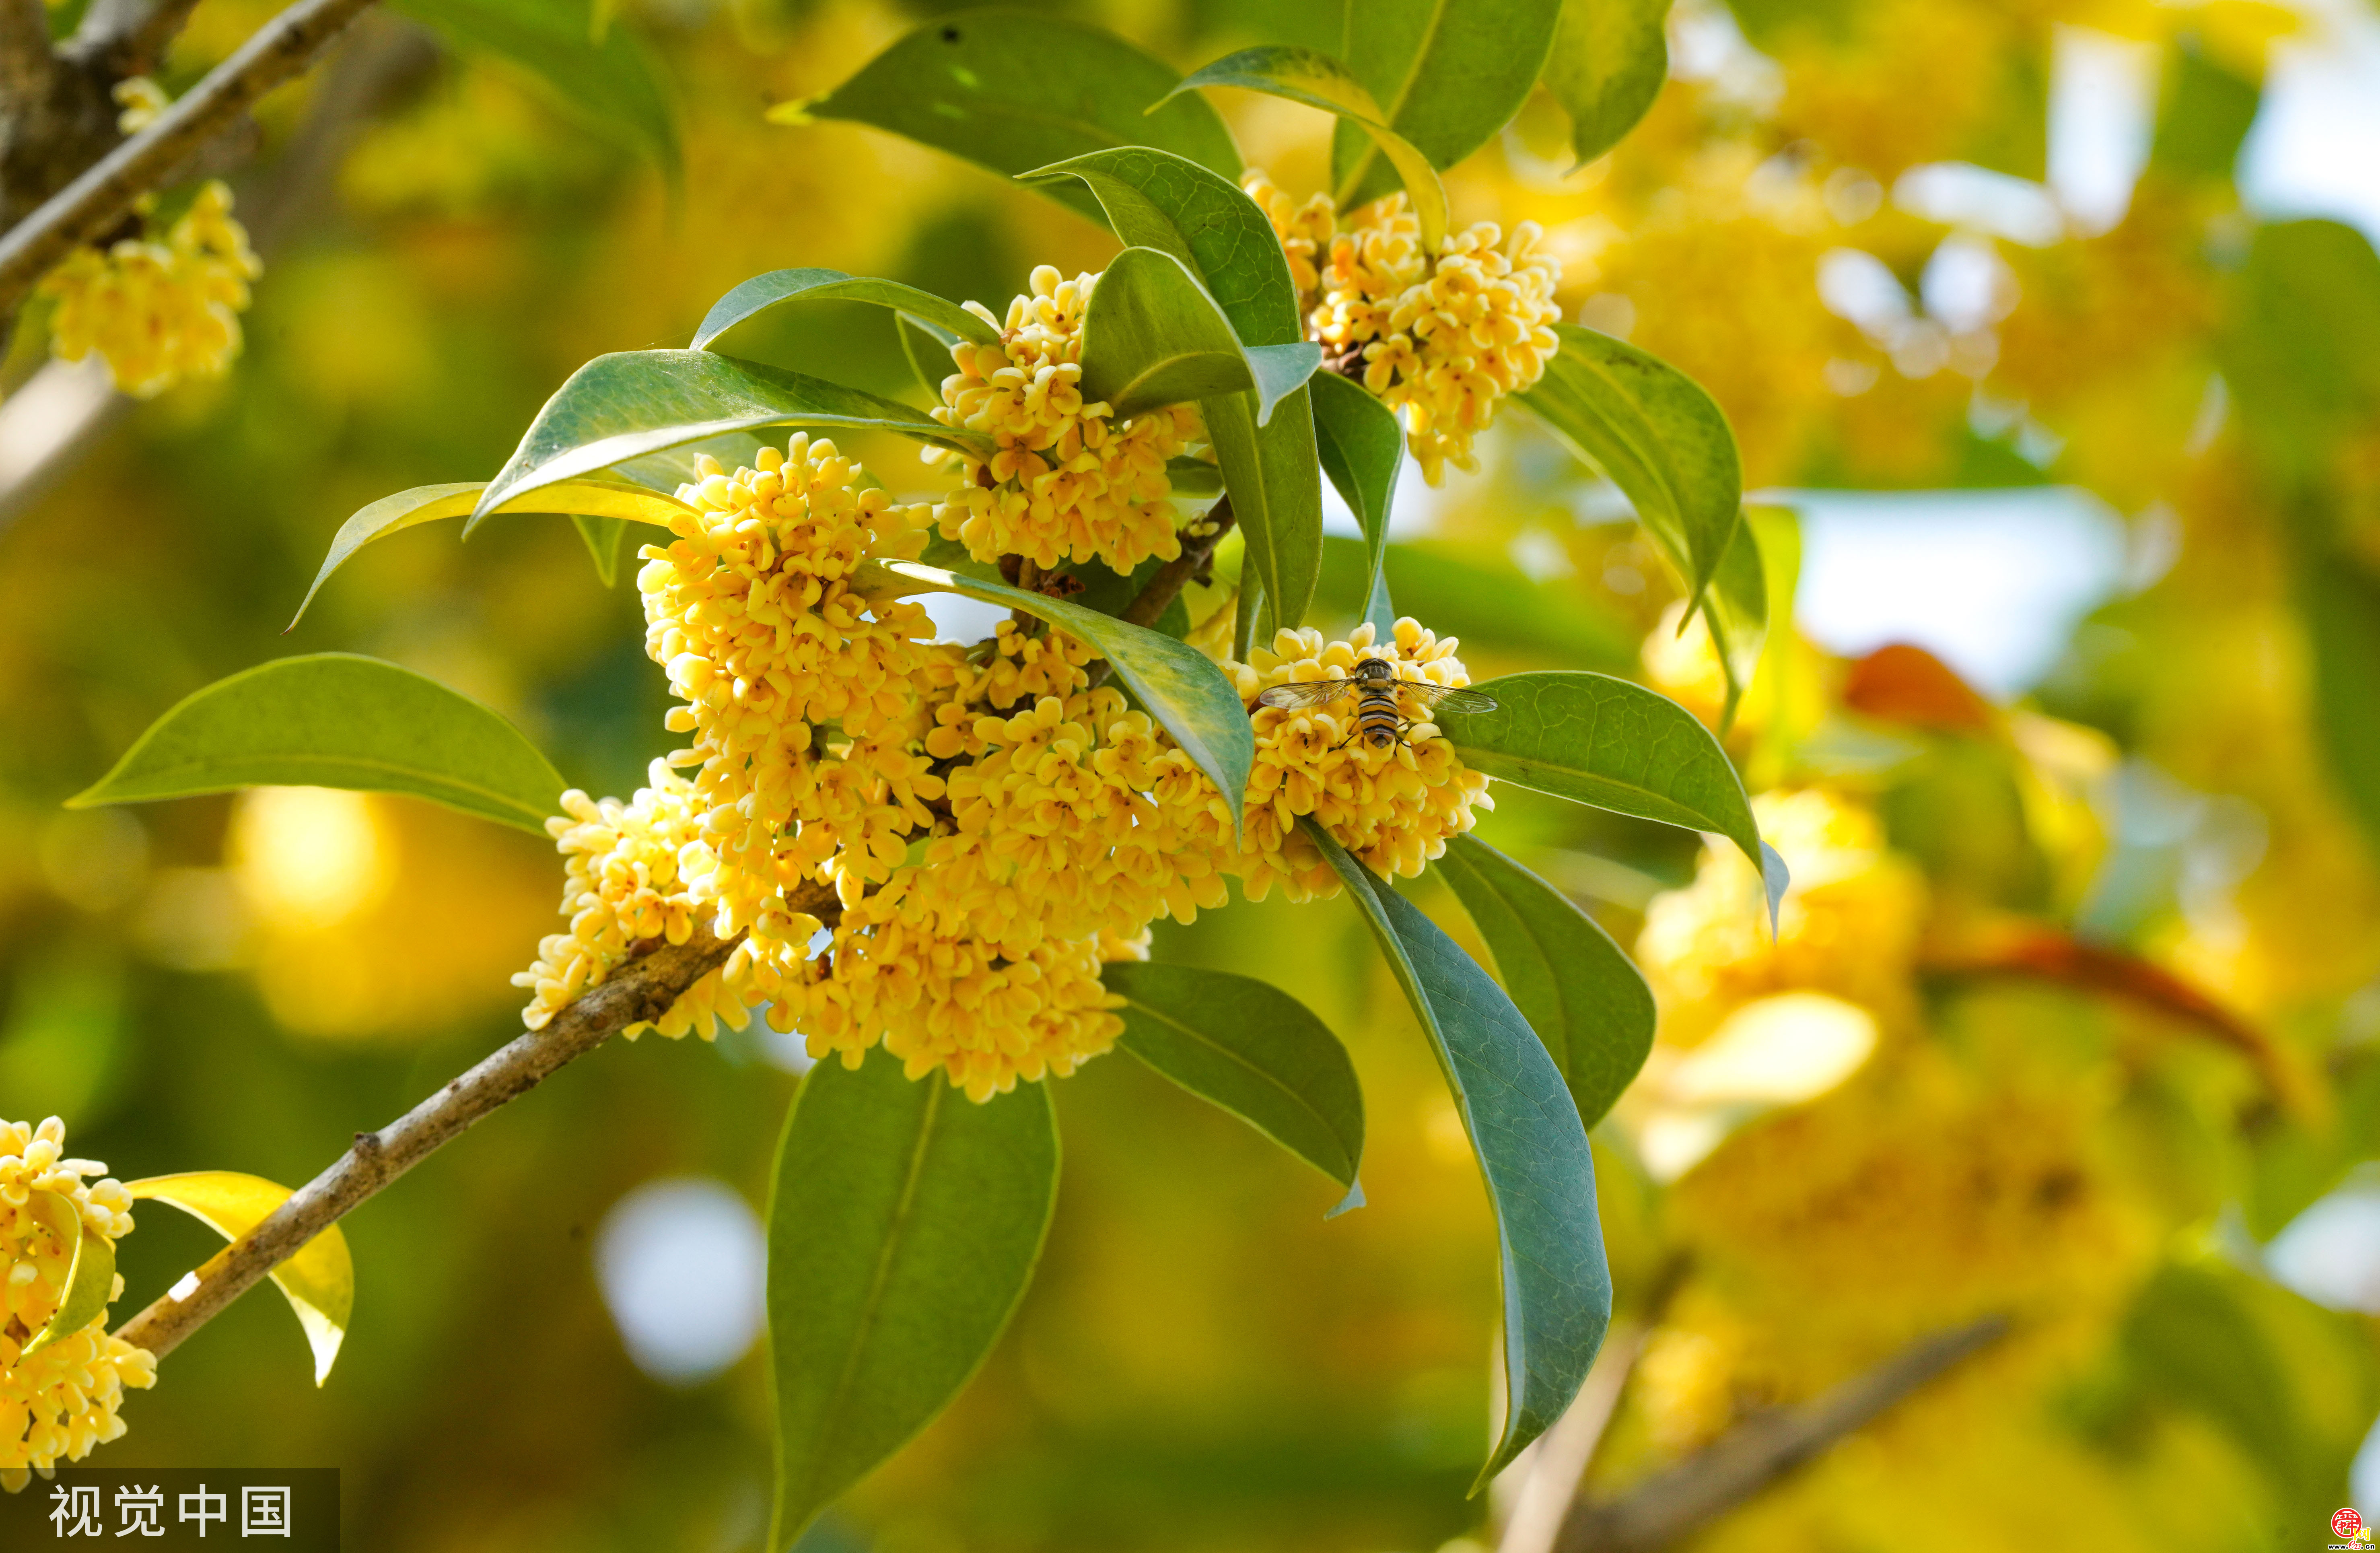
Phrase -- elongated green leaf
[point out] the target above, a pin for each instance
(1193, 477)
(1450, 74)
(1254, 1050)
(1159, 200)
(318, 1282)
(1319, 81)
(1585, 999)
(1012, 93)
(1180, 685)
(904, 1225)
(1736, 609)
(1605, 742)
(91, 1270)
(586, 499)
(337, 719)
(1609, 60)
(634, 403)
(1152, 338)
(602, 536)
(780, 288)
(606, 79)
(1656, 434)
(1362, 449)
(1532, 1150)
(2338, 602)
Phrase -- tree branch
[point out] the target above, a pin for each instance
(1755, 1453)
(1171, 579)
(641, 990)
(105, 191)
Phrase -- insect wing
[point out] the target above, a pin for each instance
(1311, 693)
(1442, 697)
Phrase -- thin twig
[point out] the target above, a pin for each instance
(641, 990)
(1755, 1453)
(98, 199)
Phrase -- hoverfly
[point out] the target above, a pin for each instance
(1380, 722)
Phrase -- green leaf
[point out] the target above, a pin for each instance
(1450, 73)
(1656, 434)
(602, 536)
(1533, 1154)
(2338, 599)
(1610, 59)
(91, 1270)
(904, 1225)
(1736, 610)
(782, 288)
(928, 346)
(2208, 111)
(607, 79)
(2302, 349)
(318, 1282)
(2192, 1341)
(1156, 201)
(428, 503)
(1603, 741)
(1153, 337)
(1013, 92)
(634, 403)
(336, 720)
(1179, 686)
(1362, 449)
(1319, 81)
(1585, 999)
(1193, 477)
(1464, 591)
(1252, 1049)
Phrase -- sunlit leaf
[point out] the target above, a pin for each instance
(1252, 1049)
(1153, 337)
(635, 403)
(1736, 610)
(1610, 743)
(1013, 92)
(2302, 349)
(782, 289)
(606, 78)
(2190, 1339)
(1158, 200)
(1532, 1150)
(1610, 59)
(1319, 81)
(928, 346)
(318, 1282)
(1449, 74)
(1481, 598)
(2338, 596)
(602, 536)
(91, 1270)
(1362, 449)
(1585, 999)
(586, 498)
(337, 719)
(2207, 109)
(1179, 686)
(904, 1224)
(1658, 436)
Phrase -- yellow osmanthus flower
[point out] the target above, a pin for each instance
(1848, 926)
(1442, 335)
(61, 1401)
(1059, 848)
(626, 888)
(1068, 481)
(141, 101)
(158, 311)
(1393, 809)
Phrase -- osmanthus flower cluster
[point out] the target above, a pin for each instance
(158, 308)
(59, 1401)
(1444, 336)
(1070, 481)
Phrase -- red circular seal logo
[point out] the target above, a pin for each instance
(2346, 1523)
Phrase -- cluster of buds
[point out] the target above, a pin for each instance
(159, 310)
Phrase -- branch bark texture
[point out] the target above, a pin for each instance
(103, 194)
(641, 990)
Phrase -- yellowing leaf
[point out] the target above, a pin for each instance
(91, 1277)
(319, 1281)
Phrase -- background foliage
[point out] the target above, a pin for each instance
(1201, 1362)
